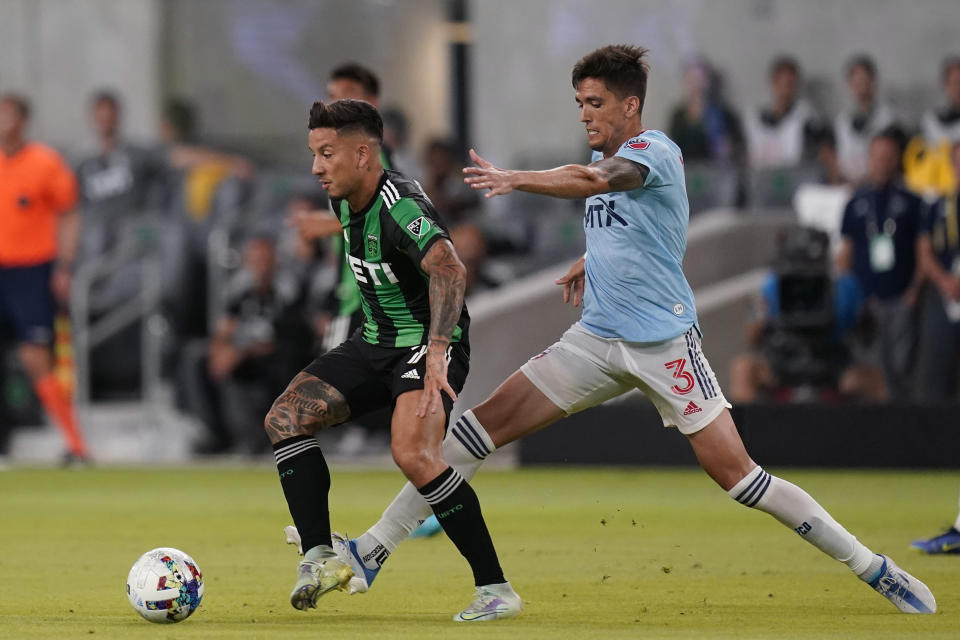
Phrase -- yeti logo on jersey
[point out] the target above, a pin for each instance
(362, 268)
(602, 214)
(419, 226)
(638, 144)
(373, 245)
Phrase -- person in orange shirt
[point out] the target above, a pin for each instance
(38, 239)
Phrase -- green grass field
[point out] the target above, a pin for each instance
(594, 553)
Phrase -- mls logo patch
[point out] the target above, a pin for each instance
(419, 226)
(373, 245)
(638, 144)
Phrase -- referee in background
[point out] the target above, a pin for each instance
(38, 239)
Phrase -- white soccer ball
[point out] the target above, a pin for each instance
(165, 585)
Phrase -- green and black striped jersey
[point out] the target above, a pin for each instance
(347, 293)
(385, 243)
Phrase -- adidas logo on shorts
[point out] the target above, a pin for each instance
(691, 409)
(413, 375)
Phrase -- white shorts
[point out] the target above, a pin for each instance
(582, 370)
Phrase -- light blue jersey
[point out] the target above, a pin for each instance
(635, 287)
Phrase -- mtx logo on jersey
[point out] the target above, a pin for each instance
(602, 214)
(361, 268)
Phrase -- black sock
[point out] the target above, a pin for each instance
(458, 510)
(305, 479)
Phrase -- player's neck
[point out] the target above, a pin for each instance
(368, 188)
(618, 141)
(11, 145)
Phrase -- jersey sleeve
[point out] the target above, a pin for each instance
(928, 216)
(61, 187)
(846, 225)
(650, 153)
(417, 228)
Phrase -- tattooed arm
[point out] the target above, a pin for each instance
(569, 181)
(447, 284)
(306, 406)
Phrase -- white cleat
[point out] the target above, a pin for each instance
(899, 587)
(318, 573)
(492, 602)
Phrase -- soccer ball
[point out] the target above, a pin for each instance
(165, 585)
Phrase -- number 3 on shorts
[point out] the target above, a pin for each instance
(679, 374)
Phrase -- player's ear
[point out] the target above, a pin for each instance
(631, 105)
(363, 156)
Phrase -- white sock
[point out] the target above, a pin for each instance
(794, 507)
(956, 523)
(465, 448)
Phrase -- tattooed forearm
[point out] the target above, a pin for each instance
(621, 174)
(306, 406)
(447, 284)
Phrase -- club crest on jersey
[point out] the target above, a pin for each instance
(373, 245)
(638, 144)
(419, 226)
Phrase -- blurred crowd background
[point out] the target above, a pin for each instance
(197, 269)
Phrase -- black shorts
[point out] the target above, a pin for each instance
(371, 377)
(26, 302)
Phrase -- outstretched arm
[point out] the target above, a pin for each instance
(568, 181)
(447, 284)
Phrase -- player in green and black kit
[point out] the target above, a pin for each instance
(411, 353)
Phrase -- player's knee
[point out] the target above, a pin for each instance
(281, 424)
(411, 460)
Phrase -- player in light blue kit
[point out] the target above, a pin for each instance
(638, 330)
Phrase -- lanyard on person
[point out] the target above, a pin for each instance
(882, 254)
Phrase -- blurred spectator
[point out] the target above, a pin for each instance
(118, 182)
(879, 240)
(799, 338)
(867, 116)
(38, 240)
(703, 125)
(829, 161)
(928, 168)
(939, 250)
(396, 138)
(784, 133)
(207, 187)
(458, 204)
(444, 185)
(943, 124)
(244, 360)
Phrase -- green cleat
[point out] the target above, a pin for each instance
(319, 572)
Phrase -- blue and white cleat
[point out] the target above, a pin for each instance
(427, 529)
(899, 587)
(948, 542)
(492, 602)
(346, 550)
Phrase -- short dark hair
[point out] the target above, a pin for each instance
(347, 115)
(181, 115)
(947, 65)
(784, 62)
(19, 102)
(894, 134)
(358, 73)
(620, 66)
(105, 95)
(862, 61)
